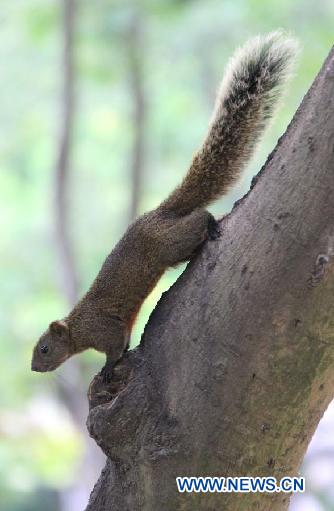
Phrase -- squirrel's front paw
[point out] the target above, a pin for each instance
(106, 372)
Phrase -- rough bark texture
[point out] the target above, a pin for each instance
(235, 368)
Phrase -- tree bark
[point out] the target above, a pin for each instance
(234, 370)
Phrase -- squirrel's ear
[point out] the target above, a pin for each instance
(59, 328)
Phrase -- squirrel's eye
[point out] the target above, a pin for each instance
(44, 348)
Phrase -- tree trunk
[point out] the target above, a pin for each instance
(234, 370)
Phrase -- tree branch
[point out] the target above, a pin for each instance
(235, 369)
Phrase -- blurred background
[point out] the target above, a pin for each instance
(102, 107)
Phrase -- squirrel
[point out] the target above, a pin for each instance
(173, 232)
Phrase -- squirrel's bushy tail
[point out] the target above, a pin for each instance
(252, 84)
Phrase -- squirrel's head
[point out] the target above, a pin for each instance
(53, 348)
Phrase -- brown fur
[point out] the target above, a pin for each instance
(170, 234)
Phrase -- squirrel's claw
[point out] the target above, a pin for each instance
(213, 228)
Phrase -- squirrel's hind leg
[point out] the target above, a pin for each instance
(188, 234)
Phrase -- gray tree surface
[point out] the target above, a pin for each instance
(235, 367)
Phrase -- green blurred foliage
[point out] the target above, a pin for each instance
(186, 44)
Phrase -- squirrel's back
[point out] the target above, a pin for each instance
(247, 98)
